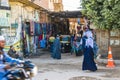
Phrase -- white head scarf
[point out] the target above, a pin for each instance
(2, 38)
(89, 40)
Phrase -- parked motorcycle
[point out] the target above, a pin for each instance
(24, 71)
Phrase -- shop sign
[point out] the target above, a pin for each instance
(5, 18)
(14, 25)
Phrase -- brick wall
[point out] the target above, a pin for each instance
(47, 4)
(42, 3)
(50, 5)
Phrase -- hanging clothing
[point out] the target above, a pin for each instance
(23, 31)
(44, 28)
(43, 43)
(88, 61)
(48, 27)
(27, 28)
(37, 29)
(40, 37)
(31, 28)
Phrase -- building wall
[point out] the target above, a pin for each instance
(18, 9)
(47, 4)
(58, 7)
(42, 3)
(43, 17)
(102, 37)
(51, 5)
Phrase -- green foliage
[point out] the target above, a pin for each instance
(105, 14)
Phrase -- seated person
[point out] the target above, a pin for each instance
(12, 52)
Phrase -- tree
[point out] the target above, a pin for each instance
(105, 14)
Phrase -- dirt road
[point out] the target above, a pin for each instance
(69, 68)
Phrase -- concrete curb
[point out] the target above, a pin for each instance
(105, 61)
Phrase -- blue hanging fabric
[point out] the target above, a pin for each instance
(27, 29)
(28, 44)
(43, 43)
(36, 41)
(44, 30)
(48, 27)
(40, 29)
(37, 29)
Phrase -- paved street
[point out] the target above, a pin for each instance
(69, 68)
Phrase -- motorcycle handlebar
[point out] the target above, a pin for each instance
(26, 64)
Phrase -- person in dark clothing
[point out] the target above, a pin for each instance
(12, 52)
(88, 61)
(78, 46)
(72, 43)
(56, 48)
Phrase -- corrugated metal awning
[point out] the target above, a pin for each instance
(66, 14)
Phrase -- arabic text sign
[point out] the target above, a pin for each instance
(4, 18)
